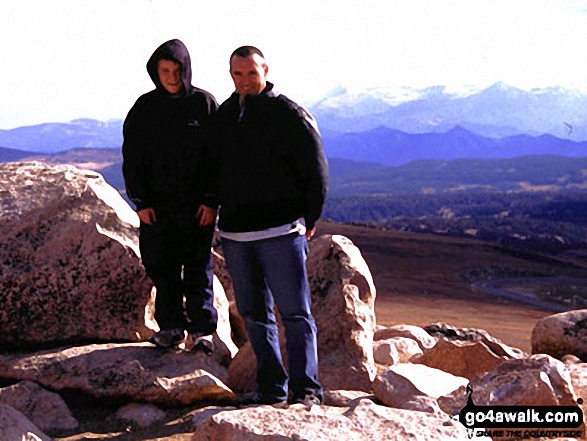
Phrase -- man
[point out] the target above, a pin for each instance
(272, 181)
(164, 172)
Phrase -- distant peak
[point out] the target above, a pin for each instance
(337, 91)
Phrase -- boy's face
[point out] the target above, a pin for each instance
(170, 75)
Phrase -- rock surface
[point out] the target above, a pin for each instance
(403, 385)
(14, 426)
(451, 333)
(68, 267)
(460, 358)
(365, 421)
(539, 380)
(343, 304)
(142, 415)
(133, 371)
(45, 409)
(562, 334)
(419, 335)
(395, 350)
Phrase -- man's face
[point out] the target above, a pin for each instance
(249, 74)
(170, 75)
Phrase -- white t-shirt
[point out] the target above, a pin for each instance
(297, 226)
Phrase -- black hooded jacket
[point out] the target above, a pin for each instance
(164, 137)
(270, 163)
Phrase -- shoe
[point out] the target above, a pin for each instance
(197, 341)
(258, 399)
(168, 338)
(307, 400)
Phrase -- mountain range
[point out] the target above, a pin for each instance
(496, 111)
(392, 147)
(55, 137)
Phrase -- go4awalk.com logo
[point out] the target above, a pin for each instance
(521, 422)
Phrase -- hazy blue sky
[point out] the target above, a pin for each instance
(66, 59)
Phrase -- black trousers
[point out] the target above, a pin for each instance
(176, 253)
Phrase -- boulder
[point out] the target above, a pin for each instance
(343, 304)
(385, 353)
(414, 387)
(419, 335)
(141, 415)
(224, 345)
(448, 332)
(45, 409)
(460, 358)
(364, 421)
(133, 371)
(237, 323)
(14, 426)
(561, 334)
(69, 270)
(242, 375)
(539, 380)
(395, 350)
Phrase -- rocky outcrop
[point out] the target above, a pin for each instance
(15, 426)
(562, 334)
(343, 304)
(132, 371)
(64, 231)
(69, 271)
(45, 409)
(364, 421)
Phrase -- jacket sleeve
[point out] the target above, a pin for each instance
(209, 175)
(311, 165)
(134, 153)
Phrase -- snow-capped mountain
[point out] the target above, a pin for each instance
(496, 111)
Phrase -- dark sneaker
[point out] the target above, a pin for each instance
(168, 338)
(196, 341)
(258, 399)
(307, 400)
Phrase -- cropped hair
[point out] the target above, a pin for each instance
(247, 51)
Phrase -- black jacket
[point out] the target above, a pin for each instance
(270, 163)
(164, 138)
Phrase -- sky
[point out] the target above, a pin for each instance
(68, 59)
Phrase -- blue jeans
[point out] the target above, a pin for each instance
(274, 270)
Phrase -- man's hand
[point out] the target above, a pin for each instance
(310, 233)
(206, 215)
(147, 216)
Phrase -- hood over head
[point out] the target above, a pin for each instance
(176, 51)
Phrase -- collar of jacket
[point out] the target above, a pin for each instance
(268, 92)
